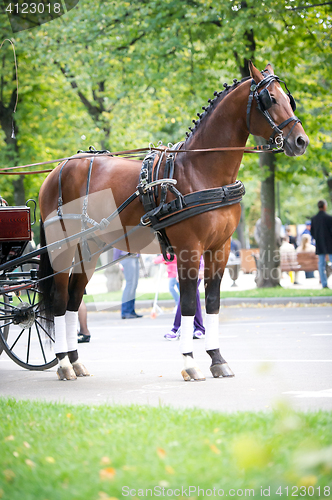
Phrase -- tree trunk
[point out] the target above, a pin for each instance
(268, 271)
(328, 178)
(19, 192)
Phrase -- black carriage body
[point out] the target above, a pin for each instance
(15, 232)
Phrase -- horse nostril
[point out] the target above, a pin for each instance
(301, 142)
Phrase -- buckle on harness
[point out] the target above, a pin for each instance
(164, 182)
(279, 141)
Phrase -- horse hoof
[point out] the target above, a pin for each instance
(221, 370)
(80, 370)
(66, 373)
(192, 374)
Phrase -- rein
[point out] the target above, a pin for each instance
(275, 144)
(265, 148)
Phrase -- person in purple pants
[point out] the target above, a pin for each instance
(199, 330)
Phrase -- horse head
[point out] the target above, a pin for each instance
(268, 99)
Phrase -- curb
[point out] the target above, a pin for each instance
(270, 301)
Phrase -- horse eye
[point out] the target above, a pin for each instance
(273, 100)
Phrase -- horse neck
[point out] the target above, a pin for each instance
(224, 126)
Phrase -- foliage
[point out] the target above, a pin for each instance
(123, 74)
(61, 451)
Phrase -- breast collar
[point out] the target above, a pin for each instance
(277, 136)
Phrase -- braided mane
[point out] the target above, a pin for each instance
(218, 97)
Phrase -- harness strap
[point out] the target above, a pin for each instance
(60, 200)
(194, 204)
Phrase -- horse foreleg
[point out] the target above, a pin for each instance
(77, 283)
(214, 271)
(188, 287)
(65, 370)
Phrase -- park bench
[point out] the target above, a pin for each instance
(302, 261)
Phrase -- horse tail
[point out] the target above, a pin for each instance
(46, 285)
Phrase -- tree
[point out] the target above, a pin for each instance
(122, 74)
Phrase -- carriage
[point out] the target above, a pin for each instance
(22, 334)
(184, 197)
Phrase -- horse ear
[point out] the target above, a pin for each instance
(269, 69)
(254, 73)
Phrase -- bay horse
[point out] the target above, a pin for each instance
(256, 105)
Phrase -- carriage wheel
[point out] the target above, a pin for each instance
(22, 333)
(4, 327)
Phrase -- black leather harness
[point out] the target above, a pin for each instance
(182, 207)
(159, 214)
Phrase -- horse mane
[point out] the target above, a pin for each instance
(218, 97)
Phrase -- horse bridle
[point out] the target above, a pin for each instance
(264, 102)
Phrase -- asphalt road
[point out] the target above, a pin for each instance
(278, 354)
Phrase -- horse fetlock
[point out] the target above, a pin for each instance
(73, 356)
(216, 357)
(221, 370)
(66, 373)
(191, 371)
(65, 370)
(80, 370)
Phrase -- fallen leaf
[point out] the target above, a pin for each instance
(105, 460)
(161, 453)
(107, 474)
(50, 460)
(9, 438)
(16, 455)
(9, 475)
(104, 496)
(169, 469)
(30, 463)
(307, 481)
(163, 483)
(214, 449)
(26, 444)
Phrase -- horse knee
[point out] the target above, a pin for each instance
(60, 303)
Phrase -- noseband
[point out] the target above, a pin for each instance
(264, 102)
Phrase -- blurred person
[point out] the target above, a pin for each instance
(306, 246)
(83, 335)
(308, 231)
(199, 330)
(288, 257)
(292, 239)
(321, 230)
(172, 273)
(131, 273)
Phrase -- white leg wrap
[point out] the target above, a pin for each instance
(60, 344)
(186, 337)
(211, 331)
(71, 329)
(65, 363)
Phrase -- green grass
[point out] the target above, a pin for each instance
(260, 293)
(60, 452)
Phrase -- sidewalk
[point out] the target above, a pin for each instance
(97, 285)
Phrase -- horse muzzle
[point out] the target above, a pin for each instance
(296, 146)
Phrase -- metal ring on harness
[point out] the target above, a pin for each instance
(162, 182)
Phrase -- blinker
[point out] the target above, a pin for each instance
(265, 99)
